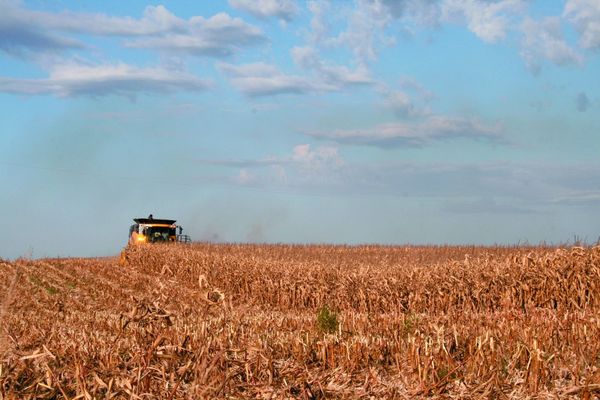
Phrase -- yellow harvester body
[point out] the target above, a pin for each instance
(150, 230)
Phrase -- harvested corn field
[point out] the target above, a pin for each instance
(281, 321)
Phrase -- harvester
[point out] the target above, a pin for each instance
(151, 230)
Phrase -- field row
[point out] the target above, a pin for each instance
(485, 279)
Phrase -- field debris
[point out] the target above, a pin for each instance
(306, 322)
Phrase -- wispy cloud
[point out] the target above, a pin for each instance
(302, 155)
(487, 187)
(243, 164)
(336, 76)
(260, 79)
(319, 23)
(283, 9)
(544, 40)
(486, 205)
(154, 20)
(120, 79)
(417, 134)
(400, 103)
(489, 20)
(579, 198)
(371, 23)
(305, 166)
(365, 32)
(409, 101)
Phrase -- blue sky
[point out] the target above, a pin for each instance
(367, 121)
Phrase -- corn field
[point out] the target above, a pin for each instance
(307, 322)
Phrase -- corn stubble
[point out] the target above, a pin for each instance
(245, 321)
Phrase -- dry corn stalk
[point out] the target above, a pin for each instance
(208, 321)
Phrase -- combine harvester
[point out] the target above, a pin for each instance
(151, 230)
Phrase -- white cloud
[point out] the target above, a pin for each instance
(335, 76)
(221, 34)
(302, 156)
(585, 15)
(402, 105)
(317, 158)
(75, 79)
(417, 134)
(304, 166)
(245, 177)
(366, 30)
(260, 79)
(366, 22)
(489, 20)
(410, 84)
(544, 40)
(310, 166)
(155, 20)
(319, 22)
(283, 9)
(410, 101)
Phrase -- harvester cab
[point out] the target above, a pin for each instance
(151, 230)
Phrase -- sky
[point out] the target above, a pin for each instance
(325, 121)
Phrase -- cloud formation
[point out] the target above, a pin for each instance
(21, 39)
(283, 9)
(335, 76)
(417, 134)
(402, 102)
(119, 79)
(261, 79)
(219, 35)
(486, 205)
(579, 198)
(544, 40)
(318, 157)
(305, 167)
(302, 155)
(585, 16)
(158, 28)
(365, 31)
(489, 20)
(424, 12)
(488, 187)
(319, 22)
